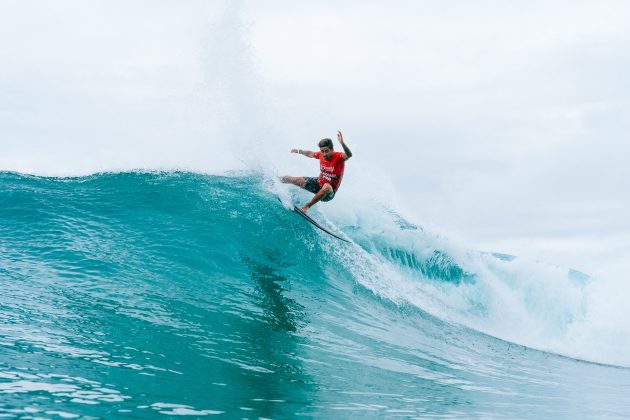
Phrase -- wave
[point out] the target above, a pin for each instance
(529, 303)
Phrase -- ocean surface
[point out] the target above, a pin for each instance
(162, 294)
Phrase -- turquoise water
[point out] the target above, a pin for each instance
(147, 295)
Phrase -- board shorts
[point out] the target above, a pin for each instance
(313, 186)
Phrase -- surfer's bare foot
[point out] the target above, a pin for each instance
(305, 208)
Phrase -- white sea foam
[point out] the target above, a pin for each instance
(533, 303)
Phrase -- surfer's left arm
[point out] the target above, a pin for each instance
(346, 149)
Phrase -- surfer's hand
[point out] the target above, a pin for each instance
(295, 151)
(340, 137)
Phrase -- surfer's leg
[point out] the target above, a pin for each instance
(300, 181)
(323, 192)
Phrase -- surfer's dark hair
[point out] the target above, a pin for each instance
(326, 143)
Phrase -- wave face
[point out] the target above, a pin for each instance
(162, 294)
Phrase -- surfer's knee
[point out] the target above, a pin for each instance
(327, 187)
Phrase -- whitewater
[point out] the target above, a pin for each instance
(150, 294)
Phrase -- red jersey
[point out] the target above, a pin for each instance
(330, 172)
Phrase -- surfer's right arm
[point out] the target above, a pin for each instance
(307, 153)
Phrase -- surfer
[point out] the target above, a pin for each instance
(331, 164)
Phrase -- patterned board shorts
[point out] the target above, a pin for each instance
(313, 186)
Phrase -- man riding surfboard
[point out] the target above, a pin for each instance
(331, 164)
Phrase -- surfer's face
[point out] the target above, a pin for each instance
(327, 152)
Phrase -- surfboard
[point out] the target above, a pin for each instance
(317, 225)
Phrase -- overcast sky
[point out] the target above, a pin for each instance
(501, 124)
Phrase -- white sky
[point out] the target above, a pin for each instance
(502, 124)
